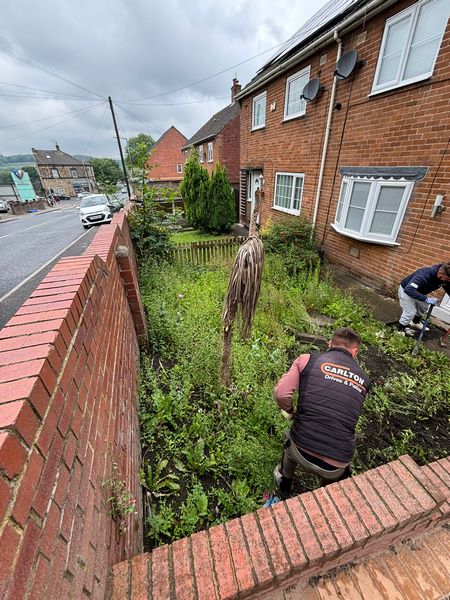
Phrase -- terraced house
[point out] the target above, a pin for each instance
(362, 151)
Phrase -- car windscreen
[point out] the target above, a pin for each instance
(93, 201)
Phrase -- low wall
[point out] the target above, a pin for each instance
(68, 422)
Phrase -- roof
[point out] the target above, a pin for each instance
(55, 157)
(215, 124)
(323, 21)
(165, 133)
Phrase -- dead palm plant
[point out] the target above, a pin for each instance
(243, 290)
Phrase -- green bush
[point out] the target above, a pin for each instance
(194, 190)
(294, 240)
(221, 210)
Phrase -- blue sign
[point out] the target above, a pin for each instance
(23, 185)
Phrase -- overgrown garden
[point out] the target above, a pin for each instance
(209, 451)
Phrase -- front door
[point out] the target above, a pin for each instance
(442, 312)
(252, 186)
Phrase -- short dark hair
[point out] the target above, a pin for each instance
(345, 337)
(445, 268)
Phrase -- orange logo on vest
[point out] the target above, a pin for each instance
(341, 374)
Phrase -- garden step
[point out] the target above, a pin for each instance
(291, 541)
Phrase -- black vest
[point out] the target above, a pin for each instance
(332, 391)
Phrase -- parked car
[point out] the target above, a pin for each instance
(95, 209)
(83, 194)
(4, 206)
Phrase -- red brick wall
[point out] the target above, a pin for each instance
(68, 409)
(403, 127)
(165, 156)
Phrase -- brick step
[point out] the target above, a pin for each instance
(294, 540)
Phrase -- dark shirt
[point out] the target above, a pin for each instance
(423, 282)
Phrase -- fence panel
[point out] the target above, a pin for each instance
(203, 252)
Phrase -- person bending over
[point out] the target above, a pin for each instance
(332, 387)
(412, 294)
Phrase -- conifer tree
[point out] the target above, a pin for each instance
(190, 189)
(221, 205)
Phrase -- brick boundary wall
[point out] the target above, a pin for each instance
(292, 541)
(68, 411)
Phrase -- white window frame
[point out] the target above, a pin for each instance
(210, 152)
(179, 168)
(364, 234)
(53, 173)
(200, 153)
(400, 82)
(290, 211)
(289, 80)
(254, 101)
(72, 171)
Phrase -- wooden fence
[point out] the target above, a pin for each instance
(202, 252)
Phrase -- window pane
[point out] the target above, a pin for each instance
(386, 209)
(393, 48)
(357, 205)
(420, 59)
(297, 192)
(295, 104)
(259, 111)
(284, 191)
(341, 202)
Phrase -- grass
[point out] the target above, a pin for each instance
(209, 453)
(186, 237)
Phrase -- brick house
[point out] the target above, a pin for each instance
(63, 174)
(166, 160)
(367, 158)
(218, 139)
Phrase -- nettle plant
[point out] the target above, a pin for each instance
(119, 502)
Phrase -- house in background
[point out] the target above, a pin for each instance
(365, 155)
(218, 139)
(63, 174)
(166, 160)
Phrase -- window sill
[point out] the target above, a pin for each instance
(361, 238)
(292, 117)
(400, 85)
(210, 161)
(289, 211)
(259, 127)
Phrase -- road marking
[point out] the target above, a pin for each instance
(19, 285)
(33, 227)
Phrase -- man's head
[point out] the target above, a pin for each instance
(444, 272)
(346, 338)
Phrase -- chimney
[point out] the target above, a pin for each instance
(57, 147)
(235, 89)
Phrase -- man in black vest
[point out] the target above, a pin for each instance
(332, 388)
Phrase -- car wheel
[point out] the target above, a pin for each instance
(86, 226)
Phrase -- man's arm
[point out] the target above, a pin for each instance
(289, 384)
(411, 288)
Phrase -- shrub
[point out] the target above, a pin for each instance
(194, 190)
(221, 211)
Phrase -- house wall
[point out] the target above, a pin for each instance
(402, 127)
(68, 412)
(65, 180)
(163, 160)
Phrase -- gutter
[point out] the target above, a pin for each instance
(323, 40)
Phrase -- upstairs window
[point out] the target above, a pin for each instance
(74, 172)
(288, 192)
(210, 151)
(294, 104)
(259, 111)
(179, 168)
(55, 173)
(410, 44)
(200, 154)
(372, 210)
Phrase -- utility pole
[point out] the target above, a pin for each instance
(120, 147)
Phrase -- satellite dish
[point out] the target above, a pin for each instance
(346, 64)
(311, 90)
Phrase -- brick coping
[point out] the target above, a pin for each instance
(294, 540)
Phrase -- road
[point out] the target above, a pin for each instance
(29, 248)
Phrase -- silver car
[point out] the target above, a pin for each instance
(4, 206)
(95, 209)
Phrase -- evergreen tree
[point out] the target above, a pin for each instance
(194, 191)
(221, 205)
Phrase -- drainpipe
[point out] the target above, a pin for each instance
(338, 40)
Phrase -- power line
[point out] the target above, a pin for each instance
(177, 103)
(43, 119)
(79, 113)
(88, 147)
(138, 118)
(27, 87)
(38, 67)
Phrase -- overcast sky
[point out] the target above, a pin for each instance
(135, 51)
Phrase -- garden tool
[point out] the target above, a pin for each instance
(415, 350)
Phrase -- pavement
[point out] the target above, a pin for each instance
(30, 245)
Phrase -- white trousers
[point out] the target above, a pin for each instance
(411, 307)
